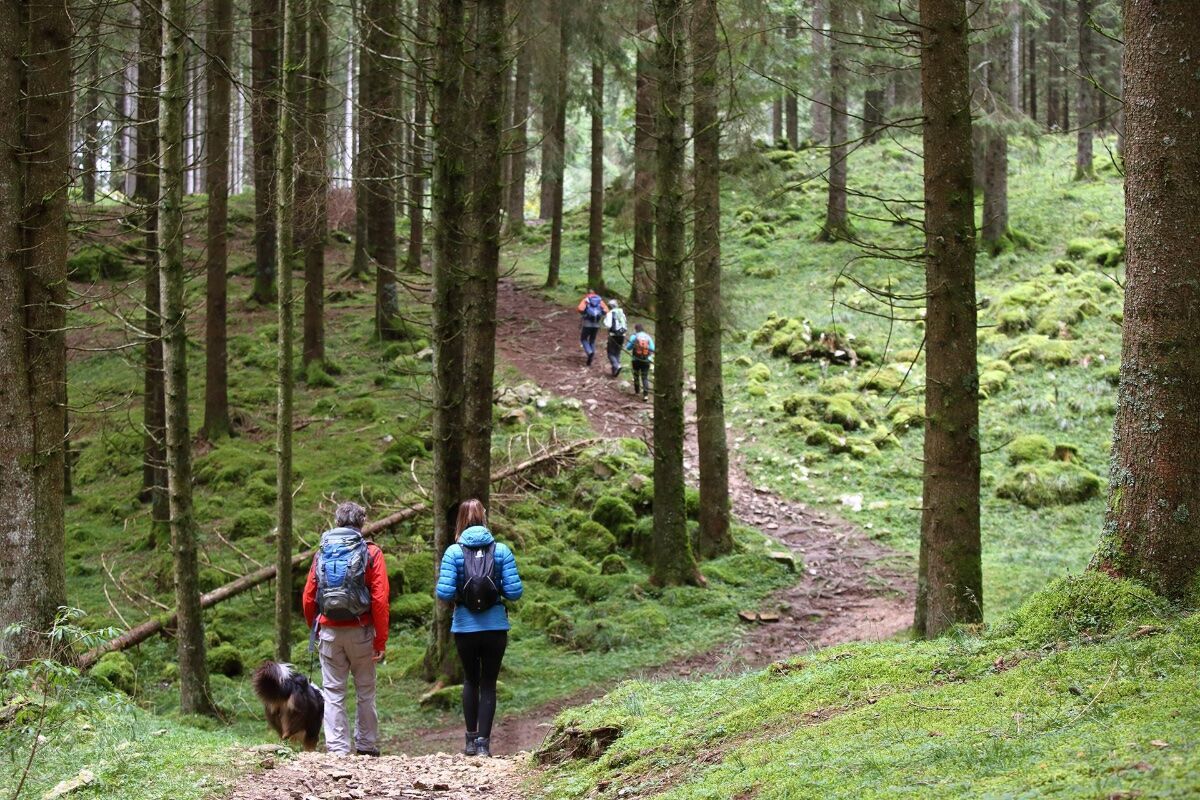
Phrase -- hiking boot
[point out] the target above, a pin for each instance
(472, 748)
(590, 357)
(371, 753)
(616, 371)
(645, 397)
(483, 746)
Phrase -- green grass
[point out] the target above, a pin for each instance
(1088, 692)
(1070, 403)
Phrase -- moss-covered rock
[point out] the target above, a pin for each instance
(1053, 483)
(616, 515)
(1037, 348)
(759, 373)
(251, 522)
(887, 379)
(1029, 449)
(316, 377)
(364, 408)
(1090, 604)
(115, 671)
(593, 540)
(226, 659)
(411, 610)
(97, 262)
(548, 619)
(613, 564)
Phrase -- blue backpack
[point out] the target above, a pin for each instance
(342, 593)
(592, 311)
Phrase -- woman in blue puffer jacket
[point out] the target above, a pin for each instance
(482, 636)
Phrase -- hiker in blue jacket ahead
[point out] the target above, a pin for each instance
(477, 574)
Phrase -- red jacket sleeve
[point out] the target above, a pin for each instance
(309, 601)
(377, 584)
(582, 303)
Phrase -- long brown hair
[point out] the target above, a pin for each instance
(470, 514)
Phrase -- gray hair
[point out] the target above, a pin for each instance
(350, 515)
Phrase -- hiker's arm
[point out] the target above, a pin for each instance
(582, 304)
(510, 580)
(604, 306)
(309, 599)
(447, 584)
(377, 583)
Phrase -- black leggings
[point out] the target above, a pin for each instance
(481, 654)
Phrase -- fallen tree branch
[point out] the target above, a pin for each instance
(143, 631)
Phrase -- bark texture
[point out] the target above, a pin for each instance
(451, 150)
(596, 195)
(949, 580)
(194, 695)
(642, 290)
(316, 180)
(715, 537)
(999, 109)
(673, 561)
(558, 166)
(837, 223)
(219, 44)
(34, 174)
(483, 271)
(1084, 110)
(264, 117)
(819, 113)
(420, 157)
(520, 126)
(380, 135)
(1152, 528)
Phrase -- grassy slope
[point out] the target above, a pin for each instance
(342, 450)
(1023, 547)
(1071, 697)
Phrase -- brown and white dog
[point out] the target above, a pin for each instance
(294, 707)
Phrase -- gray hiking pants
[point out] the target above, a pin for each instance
(345, 652)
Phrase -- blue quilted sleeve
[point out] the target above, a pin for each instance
(510, 580)
(447, 584)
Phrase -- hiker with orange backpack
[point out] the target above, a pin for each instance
(641, 347)
(592, 311)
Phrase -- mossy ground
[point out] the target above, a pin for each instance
(1087, 691)
(362, 429)
(1052, 372)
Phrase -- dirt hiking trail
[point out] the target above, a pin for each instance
(854, 589)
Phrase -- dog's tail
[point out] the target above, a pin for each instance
(273, 682)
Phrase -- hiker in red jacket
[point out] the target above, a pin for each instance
(592, 311)
(346, 606)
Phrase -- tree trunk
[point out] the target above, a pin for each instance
(791, 101)
(715, 536)
(1054, 61)
(91, 110)
(154, 457)
(776, 120)
(194, 695)
(483, 270)
(264, 117)
(673, 562)
(449, 210)
(642, 290)
(873, 100)
(995, 161)
(219, 44)
(553, 78)
(520, 126)
(360, 267)
(420, 158)
(316, 181)
(596, 199)
(34, 175)
(819, 113)
(284, 185)
(949, 580)
(1149, 533)
(837, 224)
(380, 135)
(1031, 74)
(558, 167)
(1084, 112)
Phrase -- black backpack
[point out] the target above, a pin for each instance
(479, 590)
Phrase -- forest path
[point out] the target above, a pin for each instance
(317, 776)
(855, 589)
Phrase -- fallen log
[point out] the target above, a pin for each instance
(143, 631)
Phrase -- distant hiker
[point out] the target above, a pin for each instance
(478, 574)
(641, 347)
(615, 324)
(346, 606)
(592, 311)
